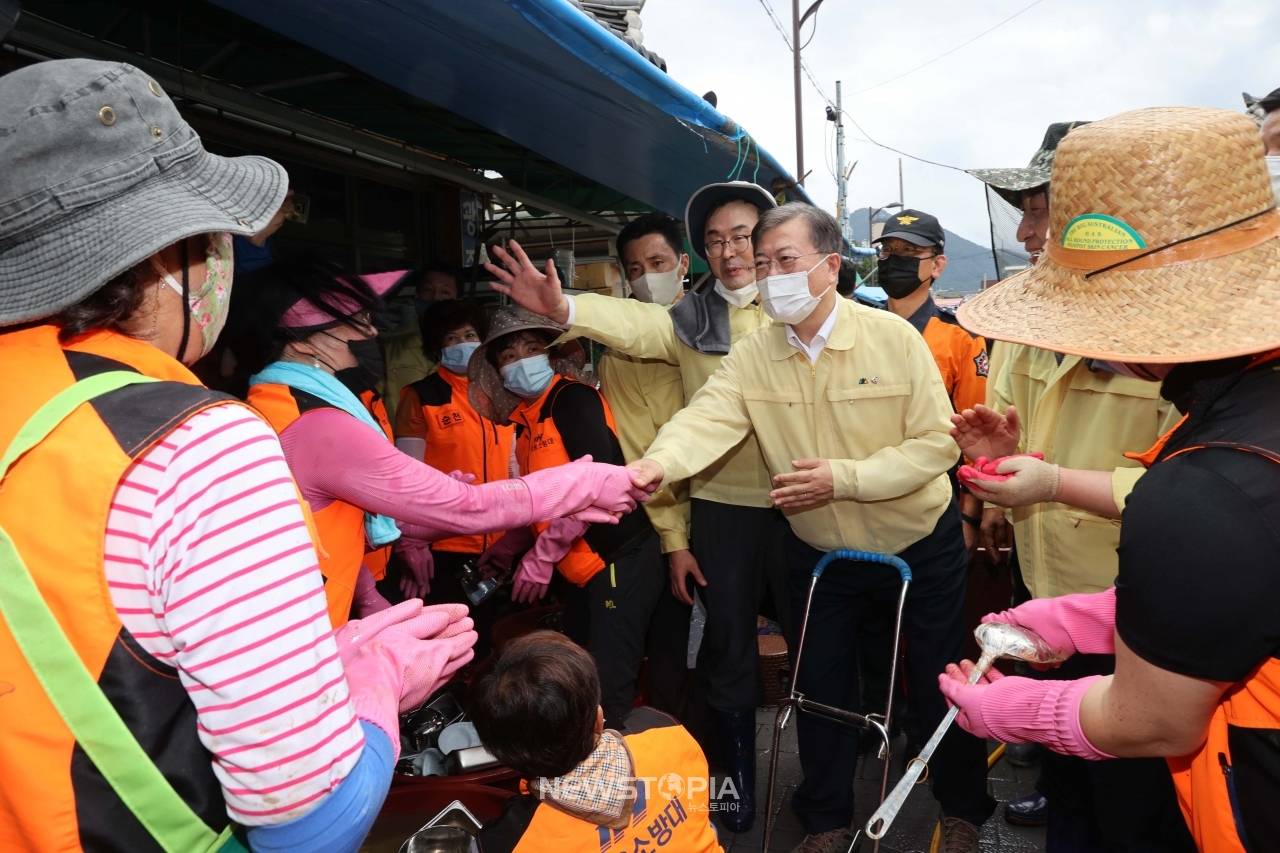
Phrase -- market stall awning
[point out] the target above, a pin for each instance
(544, 75)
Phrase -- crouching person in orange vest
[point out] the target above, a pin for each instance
(616, 571)
(640, 787)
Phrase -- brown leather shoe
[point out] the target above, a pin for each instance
(959, 836)
(831, 841)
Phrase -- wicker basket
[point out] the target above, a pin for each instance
(773, 666)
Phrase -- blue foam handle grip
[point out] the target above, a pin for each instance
(862, 557)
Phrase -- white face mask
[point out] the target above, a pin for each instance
(659, 288)
(787, 298)
(1273, 166)
(742, 297)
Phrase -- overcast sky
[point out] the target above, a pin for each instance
(986, 105)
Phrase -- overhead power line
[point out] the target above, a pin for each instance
(949, 52)
(777, 23)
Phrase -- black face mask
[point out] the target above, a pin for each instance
(899, 276)
(369, 369)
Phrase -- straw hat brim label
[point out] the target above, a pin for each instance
(1097, 232)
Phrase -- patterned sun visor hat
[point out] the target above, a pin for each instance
(486, 393)
(1010, 183)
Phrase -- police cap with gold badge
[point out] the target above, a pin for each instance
(916, 227)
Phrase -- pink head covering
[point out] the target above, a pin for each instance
(304, 315)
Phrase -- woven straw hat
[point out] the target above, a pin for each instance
(485, 390)
(1164, 245)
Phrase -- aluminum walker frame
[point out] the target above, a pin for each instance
(879, 723)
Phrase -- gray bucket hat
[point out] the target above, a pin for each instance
(98, 171)
(1010, 183)
(485, 390)
(705, 198)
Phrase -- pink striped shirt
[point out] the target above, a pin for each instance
(212, 570)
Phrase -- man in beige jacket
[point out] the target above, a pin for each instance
(851, 417)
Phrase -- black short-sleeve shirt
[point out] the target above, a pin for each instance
(1198, 592)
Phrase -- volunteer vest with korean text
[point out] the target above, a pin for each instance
(540, 445)
(670, 813)
(54, 504)
(459, 439)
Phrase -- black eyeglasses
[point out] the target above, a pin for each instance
(740, 243)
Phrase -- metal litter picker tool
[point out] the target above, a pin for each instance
(997, 640)
(795, 701)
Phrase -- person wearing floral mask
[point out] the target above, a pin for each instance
(614, 571)
(170, 673)
(852, 418)
(436, 423)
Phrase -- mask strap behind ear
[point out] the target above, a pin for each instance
(186, 306)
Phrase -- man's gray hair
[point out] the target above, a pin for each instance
(824, 231)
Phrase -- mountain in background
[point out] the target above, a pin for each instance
(967, 262)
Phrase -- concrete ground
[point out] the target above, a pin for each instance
(913, 829)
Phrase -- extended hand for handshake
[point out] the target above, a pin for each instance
(588, 491)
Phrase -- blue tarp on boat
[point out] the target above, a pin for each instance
(544, 75)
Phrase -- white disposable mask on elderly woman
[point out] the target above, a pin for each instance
(786, 298)
(1273, 166)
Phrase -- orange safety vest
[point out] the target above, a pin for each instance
(1235, 774)
(961, 357)
(54, 504)
(377, 559)
(458, 439)
(340, 525)
(539, 446)
(672, 809)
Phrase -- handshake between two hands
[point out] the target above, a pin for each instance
(812, 482)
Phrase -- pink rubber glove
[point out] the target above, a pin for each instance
(498, 558)
(461, 652)
(409, 618)
(367, 598)
(584, 491)
(419, 560)
(988, 469)
(462, 477)
(1084, 622)
(1020, 710)
(374, 682)
(534, 574)
(396, 673)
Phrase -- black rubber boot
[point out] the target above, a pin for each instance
(738, 743)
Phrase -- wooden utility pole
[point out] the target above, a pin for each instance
(797, 20)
